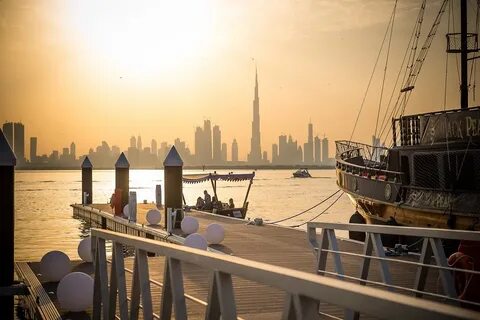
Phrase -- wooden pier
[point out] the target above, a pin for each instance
(274, 245)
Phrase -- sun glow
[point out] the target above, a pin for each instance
(144, 37)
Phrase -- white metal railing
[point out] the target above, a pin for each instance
(326, 243)
(303, 290)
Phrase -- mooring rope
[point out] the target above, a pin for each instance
(304, 211)
(318, 215)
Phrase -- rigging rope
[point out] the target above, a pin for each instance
(386, 65)
(370, 80)
(304, 211)
(318, 215)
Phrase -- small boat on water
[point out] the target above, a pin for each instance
(430, 175)
(217, 207)
(302, 173)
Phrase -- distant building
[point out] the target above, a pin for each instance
(139, 143)
(33, 149)
(153, 147)
(234, 150)
(318, 151)
(207, 141)
(8, 132)
(255, 155)
(217, 145)
(73, 151)
(224, 152)
(308, 146)
(265, 157)
(19, 142)
(133, 142)
(274, 153)
(325, 151)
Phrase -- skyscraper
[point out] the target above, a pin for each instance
(308, 147)
(274, 153)
(318, 158)
(325, 151)
(207, 140)
(153, 146)
(234, 150)
(139, 143)
(199, 148)
(224, 152)
(19, 141)
(217, 144)
(255, 155)
(73, 151)
(8, 132)
(133, 142)
(33, 149)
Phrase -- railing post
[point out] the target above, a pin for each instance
(7, 225)
(87, 181)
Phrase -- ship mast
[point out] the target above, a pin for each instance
(463, 54)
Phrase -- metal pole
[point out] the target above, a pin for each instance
(87, 181)
(7, 225)
(464, 50)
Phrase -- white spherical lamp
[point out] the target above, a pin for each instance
(75, 292)
(215, 233)
(154, 216)
(84, 249)
(197, 241)
(54, 266)
(126, 212)
(189, 225)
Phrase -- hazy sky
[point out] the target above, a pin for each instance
(90, 70)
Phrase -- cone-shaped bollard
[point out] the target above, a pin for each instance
(87, 169)
(173, 170)
(7, 227)
(121, 180)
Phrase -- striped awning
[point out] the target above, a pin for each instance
(231, 177)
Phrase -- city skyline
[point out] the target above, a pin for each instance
(75, 73)
(208, 148)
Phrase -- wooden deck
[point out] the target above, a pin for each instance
(275, 245)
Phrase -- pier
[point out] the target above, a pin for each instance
(143, 271)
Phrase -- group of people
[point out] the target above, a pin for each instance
(210, 203)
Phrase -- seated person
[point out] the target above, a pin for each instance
(208, 201)
(200, 203)
(216, 203)
(231, 205)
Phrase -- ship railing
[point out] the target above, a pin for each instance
(303, 291)
(360, 159)
(432, 256)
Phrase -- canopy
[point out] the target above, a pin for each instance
(202, 177)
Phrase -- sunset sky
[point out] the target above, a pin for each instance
(90, 70)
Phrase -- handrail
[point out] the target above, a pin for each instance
(304, 290)
(396, 230)
(326, 243)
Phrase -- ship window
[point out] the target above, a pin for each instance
(426, 172)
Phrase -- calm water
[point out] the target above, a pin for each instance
(44, 218)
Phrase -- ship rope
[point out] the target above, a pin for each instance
(371, 76)
(386, 65)
(306, 210)
(414, 71)
(410, 48)
(318, 215)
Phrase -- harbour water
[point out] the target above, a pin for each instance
(44, 218)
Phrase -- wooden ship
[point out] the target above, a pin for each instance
(430, 176)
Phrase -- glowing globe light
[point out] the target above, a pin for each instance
(75, 292)
(189, 225)
(126, 211)
(84, 249)
(197, 241)
(154, 216)
(215, 233)
(54, 266)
